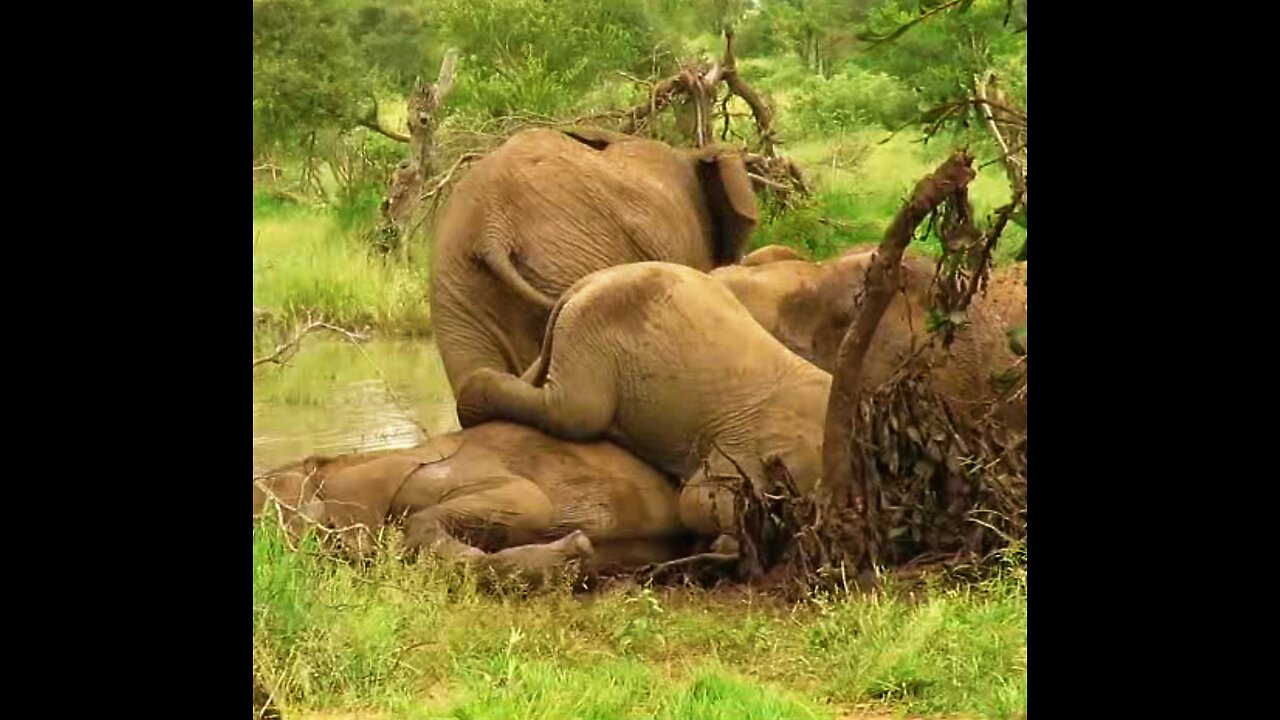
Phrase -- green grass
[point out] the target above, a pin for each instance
(310, 261)
(861, 182)
(420, 641)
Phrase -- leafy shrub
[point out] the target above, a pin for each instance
(853, 98)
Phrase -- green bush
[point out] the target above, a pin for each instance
(821, 227)
(853, 98)
(541, 55)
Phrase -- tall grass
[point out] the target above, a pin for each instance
(419, 641)
(311, 261)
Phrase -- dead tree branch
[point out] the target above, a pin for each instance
(288, 349)
(844, 499)
(738, 86)
(403, 197)
(700, 558)
(435, 193)
(1017, 178)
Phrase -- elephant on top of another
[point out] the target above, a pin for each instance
(499, 496)
(549, 207)
(809, 306)
(663, 360)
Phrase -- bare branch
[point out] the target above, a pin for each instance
(444, 81)
(707, 557)
(767, 182)
(1012, 165)
(433, 194)
(290, 348)
(385, 132)
(370, 120)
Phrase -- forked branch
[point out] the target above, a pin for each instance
(287, 350)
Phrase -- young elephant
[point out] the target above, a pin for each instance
(664, 360)
(809, 306)
(498, 495)
(549, 207)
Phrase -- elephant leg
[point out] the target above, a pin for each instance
(708, 506)
(535, 563)
(584, 412)
(470, 346)
(511, 512)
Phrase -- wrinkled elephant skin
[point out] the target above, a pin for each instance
(498, 495)
(549, 207)
(663, 360)
(809, 306)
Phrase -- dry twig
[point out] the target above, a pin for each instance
(288, 349)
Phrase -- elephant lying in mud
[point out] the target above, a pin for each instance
(663, 360)
(809, 306)
(499, 496)
(550, 207)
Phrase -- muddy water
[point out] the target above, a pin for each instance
(337, 397)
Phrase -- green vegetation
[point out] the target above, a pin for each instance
(420, 641)
(322, 67)
(308, 261)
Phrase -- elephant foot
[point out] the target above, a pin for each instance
(473, 398)
(536, 563)
(575, 545)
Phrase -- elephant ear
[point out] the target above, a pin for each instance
(731, 201)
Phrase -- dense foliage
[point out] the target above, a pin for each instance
(326, 72)
(318, 63)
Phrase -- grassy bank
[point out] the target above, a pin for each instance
(308, 260)
(421, 642)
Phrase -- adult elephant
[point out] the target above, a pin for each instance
(809, 306)
(663, 360)
(499, 496)
(549, 207)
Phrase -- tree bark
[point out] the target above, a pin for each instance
(759, 108)
(844, 485)
(404, 194)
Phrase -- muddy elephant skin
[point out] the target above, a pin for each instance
(499, 495)
(809, 306)
(665, 361)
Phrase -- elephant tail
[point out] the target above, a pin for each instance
(499, 263)
(537, 374)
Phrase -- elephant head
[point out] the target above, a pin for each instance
(809, 307)
(292, 492)
(298, 495)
